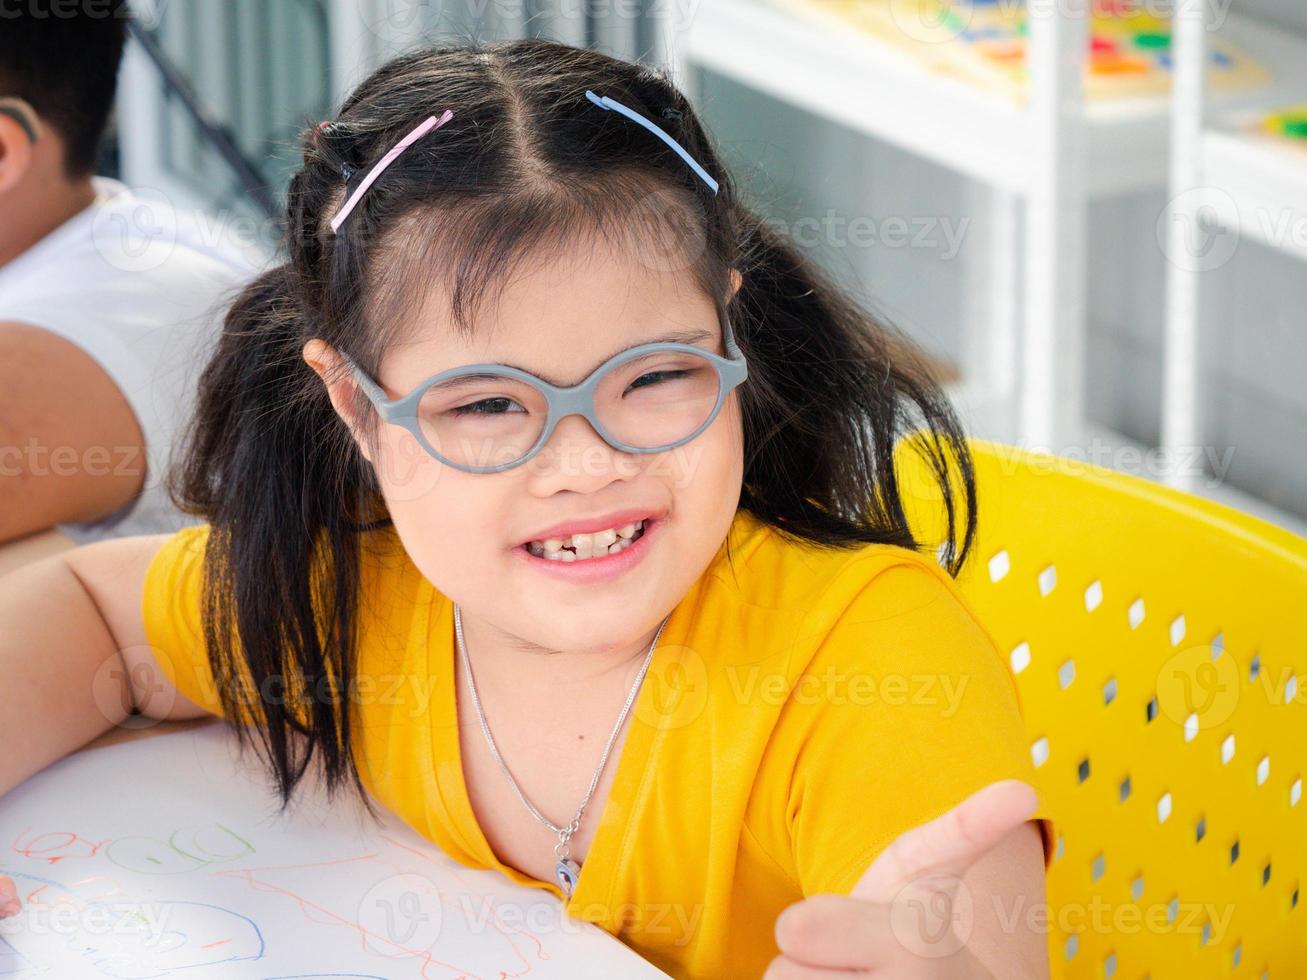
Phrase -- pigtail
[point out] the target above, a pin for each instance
(268, 463)
(831, 389)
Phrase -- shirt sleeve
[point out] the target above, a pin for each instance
(170, 610)
(906, 708)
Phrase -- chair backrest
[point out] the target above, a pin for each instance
(1159, 644)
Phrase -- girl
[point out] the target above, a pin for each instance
(549, 499)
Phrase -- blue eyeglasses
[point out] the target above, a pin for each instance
(486, 418)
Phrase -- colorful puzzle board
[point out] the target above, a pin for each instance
(1287, 127)
(984, 42)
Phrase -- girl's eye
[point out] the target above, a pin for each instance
(657, 376)
(487, 406)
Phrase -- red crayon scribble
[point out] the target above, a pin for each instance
(529, 936)
(316, 913)
(44, 845)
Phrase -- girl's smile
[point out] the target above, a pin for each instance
(599, 567)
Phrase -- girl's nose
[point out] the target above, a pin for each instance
(578, 454)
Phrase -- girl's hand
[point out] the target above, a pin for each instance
(899, 920)
(9, 904)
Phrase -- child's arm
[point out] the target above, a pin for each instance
(74, 657)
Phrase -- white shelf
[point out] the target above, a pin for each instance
(1264, 185)
(854, 79)
(1221, 493)
(986, 416)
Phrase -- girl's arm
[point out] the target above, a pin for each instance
(73, 654)
(74, 659)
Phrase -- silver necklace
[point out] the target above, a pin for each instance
(565, 869)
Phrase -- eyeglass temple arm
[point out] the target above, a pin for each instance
(728, 339)
(370, 388)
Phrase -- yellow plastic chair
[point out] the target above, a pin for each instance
(1159, 643)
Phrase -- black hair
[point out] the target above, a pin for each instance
(63, 60)
(527, 162)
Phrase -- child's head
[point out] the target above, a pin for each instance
(61, 61)
(537, 229)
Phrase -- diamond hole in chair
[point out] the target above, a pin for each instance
(1295, 792)
(1150, 709)
(1097, 867)
(1227, 750)
(1093, 595)
(1263, 769)
(1172, 908)
(1290, 689)
(1266, 874)
(1020, 657)
(1255, 668)
(1109, 966)
(1218, 645)
(1123, 791)
(1066, 674)
(1191, 727)
(1200, 829)
(1039, 752)
(1137, 888)
(1177, 630)
(1234, 851)
(1072, 946)
(1082, 770)
(1163, 807)
(999, 566)
(1136, 613)
(1047, 580)
(1109, 691)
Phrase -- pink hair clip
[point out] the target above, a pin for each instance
(428, 124)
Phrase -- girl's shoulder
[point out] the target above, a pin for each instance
(770, 569)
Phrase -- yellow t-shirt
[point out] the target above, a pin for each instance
(803, 708)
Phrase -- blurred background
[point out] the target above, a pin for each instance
(1092, 215)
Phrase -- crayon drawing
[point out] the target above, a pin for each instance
(183, 873)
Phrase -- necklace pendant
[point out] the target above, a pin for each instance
(567, 871)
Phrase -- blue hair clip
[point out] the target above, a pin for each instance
(604, 102)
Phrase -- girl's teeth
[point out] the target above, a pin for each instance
(609, 542)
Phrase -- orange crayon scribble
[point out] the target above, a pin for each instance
(43, 845)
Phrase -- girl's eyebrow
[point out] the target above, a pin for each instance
(690, 336)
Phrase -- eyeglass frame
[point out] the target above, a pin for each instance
(577, 399)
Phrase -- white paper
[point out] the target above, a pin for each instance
(166, 856)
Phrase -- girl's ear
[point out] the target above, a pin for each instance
(342, 391)
(737, 281)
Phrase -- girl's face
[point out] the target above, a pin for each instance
(467, 532)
